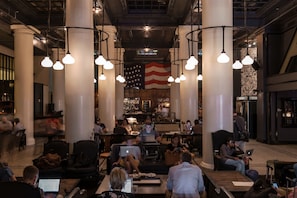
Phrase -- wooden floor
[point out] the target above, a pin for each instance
(262, 152)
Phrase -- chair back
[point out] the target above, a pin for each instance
(57, 146)
(220, 137)
(88, 148)
(19, 190)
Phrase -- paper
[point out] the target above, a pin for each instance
(239, 183)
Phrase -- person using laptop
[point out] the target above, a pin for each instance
(30, 176)
(129, 156)
(148, 130)
(117, 179)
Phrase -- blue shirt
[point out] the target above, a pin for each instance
(185, 180)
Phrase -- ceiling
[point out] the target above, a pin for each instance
(130, 16)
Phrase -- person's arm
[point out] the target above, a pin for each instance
(170, 180)
(224, 153)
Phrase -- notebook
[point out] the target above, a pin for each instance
(128, 185)
(49, 185)
(148, 138)
(126, 150)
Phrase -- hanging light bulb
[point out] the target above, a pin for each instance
(102, 77)
(192, 61)
(100, 60)
(199, 77)
(170, 79)
(68, 59)
(108, 65)
(189, 66)
(182, 77)
(95, 80)
(58, 65)
(247, 60)
(122, 80)
(46, 62)
(237, 65)
(223, 57)
(177, 80)
(118, 78)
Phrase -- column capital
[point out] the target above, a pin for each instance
(27, 29)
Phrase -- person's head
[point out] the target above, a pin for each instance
(230, 142)
(16, 120)
(117, 178)
(196, 122)
(175, 139)
(186, 157)
(148, 120)
(125, 122)
(4, 119)
(30, 174)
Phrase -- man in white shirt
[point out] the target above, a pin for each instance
(185, 180)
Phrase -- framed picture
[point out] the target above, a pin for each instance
(146, 105)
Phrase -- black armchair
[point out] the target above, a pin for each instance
(59, 147)
(218, 138)
(18, 189)
(84, 160)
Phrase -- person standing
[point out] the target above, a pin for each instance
(239, 129)
(185, 180)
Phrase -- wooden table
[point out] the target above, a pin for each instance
(219, 179)
(140, 190)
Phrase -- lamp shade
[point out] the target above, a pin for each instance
(182, 77)
(102, 77)
(100, 60)
(108, 65)
(122, 79)
(199, 77)
(118, 78)
(189, 66)
(192, 60)
(170, 79)
(46, 62)
(177, 80)
(237, 65)
(223, 58)
(58, 65)
(68, 59)
(247, 60)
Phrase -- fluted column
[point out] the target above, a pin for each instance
(217, 86)
(189, 87)
(23, 90)
(106, 88)
(59, 83)
(174, 87)
(120, 86)
(79, 77)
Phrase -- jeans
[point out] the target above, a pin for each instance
(239, 164)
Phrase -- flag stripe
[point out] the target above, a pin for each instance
(156, 75)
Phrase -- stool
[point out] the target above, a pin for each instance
(104, 156)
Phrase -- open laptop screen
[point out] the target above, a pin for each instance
(49, 185)
(128, 185)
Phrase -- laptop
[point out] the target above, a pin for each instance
(128, 185)
(49, 185)
(148, 138)
(126, 150)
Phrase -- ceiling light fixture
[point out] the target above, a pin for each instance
(68, 59)
(237, 64)
(223, 57)
(102, 76)
(100, 60)
(108, 64)
(182, 76)
(199, 77)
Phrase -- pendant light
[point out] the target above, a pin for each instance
(47, 62)
(192, 61)
(68, 59)
(100, 60)
(223, 57)
(182, 76)
(102, 76)
(58, 65)
(237, 64)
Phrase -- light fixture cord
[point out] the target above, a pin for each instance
(67, 34)
(223, 39)
(48, 25)
(245, 25)
(192, 45)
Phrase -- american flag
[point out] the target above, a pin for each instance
(150, 76)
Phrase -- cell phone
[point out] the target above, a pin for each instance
(274, 185)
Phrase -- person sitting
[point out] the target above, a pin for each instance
(117, 179)
(5, 124)
(30, 176)
(127, 126)
(17, 126)
(176, 145)
(148, 129)
(6, 174)
(185, 180)
(132, 160)
(120, 133)
(228, 155)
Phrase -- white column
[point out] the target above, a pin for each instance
(189, 87)
(79, 77)
(23, 90)
(174, 88)
(106, 88)
(59, 83)
(217, 86)
(120, 87)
